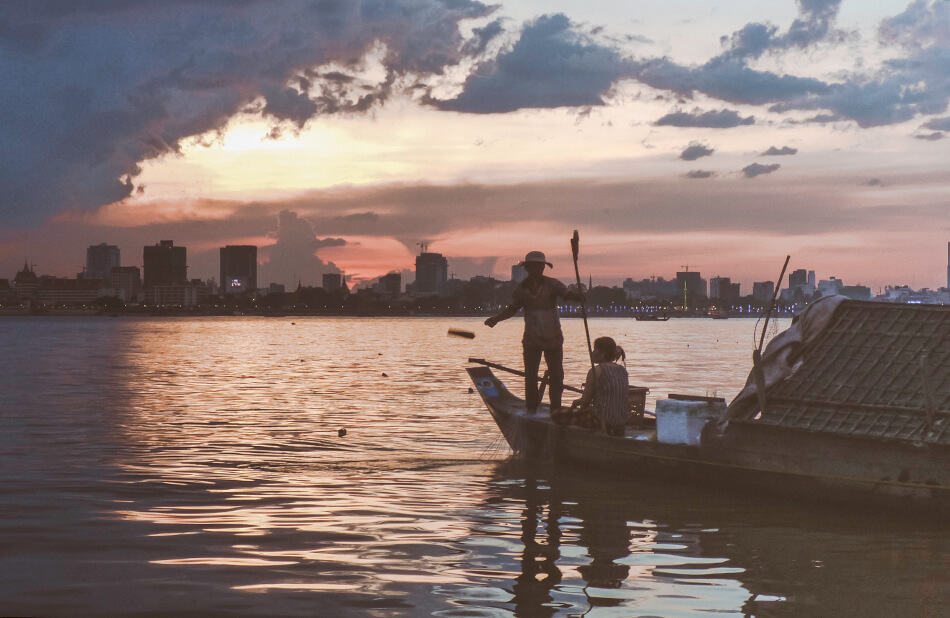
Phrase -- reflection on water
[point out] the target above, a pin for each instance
(195, 466)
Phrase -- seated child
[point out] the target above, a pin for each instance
(604, 402)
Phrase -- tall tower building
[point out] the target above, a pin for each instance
(165, 264)
(763, 290)
(432, 273)
(948, 265)
(100, 260)
(332, 281)
(798, 278)
(238, 269)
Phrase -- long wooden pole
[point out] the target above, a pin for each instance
(775, 292)
(758, 372)
(575, 249)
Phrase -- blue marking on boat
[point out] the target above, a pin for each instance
(487, 387)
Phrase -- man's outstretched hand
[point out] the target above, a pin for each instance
(490, 322)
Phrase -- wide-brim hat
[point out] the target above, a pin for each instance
(535, 256)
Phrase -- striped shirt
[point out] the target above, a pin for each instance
(610, 395)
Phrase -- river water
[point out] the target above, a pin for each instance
(194, 466)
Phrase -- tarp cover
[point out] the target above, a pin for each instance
(857, 368)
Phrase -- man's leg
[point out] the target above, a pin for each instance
(554, 359)
(532, 362)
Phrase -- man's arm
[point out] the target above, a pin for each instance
(574, 293)
(504, 314)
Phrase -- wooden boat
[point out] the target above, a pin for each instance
(855, 422)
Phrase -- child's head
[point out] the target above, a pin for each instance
(606, 349)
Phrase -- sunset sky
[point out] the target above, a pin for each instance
(340, 134)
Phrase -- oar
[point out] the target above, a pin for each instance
(482, 361)
(575, 249)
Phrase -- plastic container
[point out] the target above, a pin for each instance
(682, 422)
(637, 402)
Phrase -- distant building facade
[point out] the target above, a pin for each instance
(332, 282)
(648, 289)
(690, 285)
(390, 284)
(830, 286)
(763, 290)
(59, 291)
(432, 272)
(183, 294)
(100, 260)
(128, 279)
(25, 283)
(165, 264)
(801, 286)
(238, 269)
(724, 289)
(856, 292)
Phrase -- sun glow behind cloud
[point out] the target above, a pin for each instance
(675, 79)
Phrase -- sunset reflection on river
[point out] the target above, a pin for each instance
(194, 466)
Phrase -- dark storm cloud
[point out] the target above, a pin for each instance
(778, 152)
(916, 84)
(700, 174)
(721, 119)
(482, 37)
(550, 65)
(813, 25)
(930, 137)
(93, 88)
(695, 151)
(757, 169)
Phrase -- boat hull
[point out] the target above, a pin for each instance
(788, 463)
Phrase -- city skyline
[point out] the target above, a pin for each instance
(719, 135)
(238, 268)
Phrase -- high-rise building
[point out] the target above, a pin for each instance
(165, 264)
(763, 290)
(432, 272)
(723, 288)
(332, 282)
(948, 265)
(238, 269)
(691, 282)
(798, 278)
(128, 279)
(689, 286)
(390, 284)
(720, 287)
(100, 260)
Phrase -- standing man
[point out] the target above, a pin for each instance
(537, 295)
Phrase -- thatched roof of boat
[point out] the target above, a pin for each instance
(876, 370)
